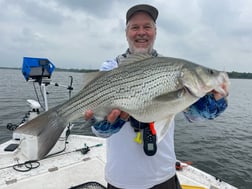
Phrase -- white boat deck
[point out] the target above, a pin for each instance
(71, 168)
(60, 171)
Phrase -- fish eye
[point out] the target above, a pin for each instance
(210, 71)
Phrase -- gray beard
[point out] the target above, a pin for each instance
(140, 51)
(134, 50)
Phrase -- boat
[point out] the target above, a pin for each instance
(75, 161)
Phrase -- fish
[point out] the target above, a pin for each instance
(147, 88)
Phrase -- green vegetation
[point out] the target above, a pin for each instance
(237, 75)
(233, 75)
(59, 69)
(75, 70)
(10, 68)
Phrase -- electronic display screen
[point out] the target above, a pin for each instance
(150, 146)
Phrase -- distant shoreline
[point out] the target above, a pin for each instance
(59, 69)
(233, 74)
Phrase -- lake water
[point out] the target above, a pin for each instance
(221, 147)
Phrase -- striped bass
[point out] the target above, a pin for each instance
(147, 88)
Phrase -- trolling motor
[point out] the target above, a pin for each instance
(32, 113)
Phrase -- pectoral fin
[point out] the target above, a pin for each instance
(171, 95)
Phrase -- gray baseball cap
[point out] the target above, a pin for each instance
(152, 11)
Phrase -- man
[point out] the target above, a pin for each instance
(128, 166)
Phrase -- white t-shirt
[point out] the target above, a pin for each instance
(128, 166)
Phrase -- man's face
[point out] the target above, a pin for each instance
(141, 33)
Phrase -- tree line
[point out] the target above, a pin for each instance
(233, 74)
(238, 75)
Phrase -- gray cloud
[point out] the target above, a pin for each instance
(84, 33)
(33, 11)
(97, 8)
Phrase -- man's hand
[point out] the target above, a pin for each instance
(111, 117)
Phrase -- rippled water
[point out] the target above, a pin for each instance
(222, 147)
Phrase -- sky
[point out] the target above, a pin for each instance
(82, 34)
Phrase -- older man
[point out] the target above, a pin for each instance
(128, 165)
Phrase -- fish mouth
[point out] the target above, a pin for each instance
(220, 90)
(217, 89)
(221, 86)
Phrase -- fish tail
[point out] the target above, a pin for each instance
(44, 131)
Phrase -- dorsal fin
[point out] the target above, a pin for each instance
(90, 76)
(135, 58)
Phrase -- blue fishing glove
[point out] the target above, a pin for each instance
(105, 129)
(205, 108)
